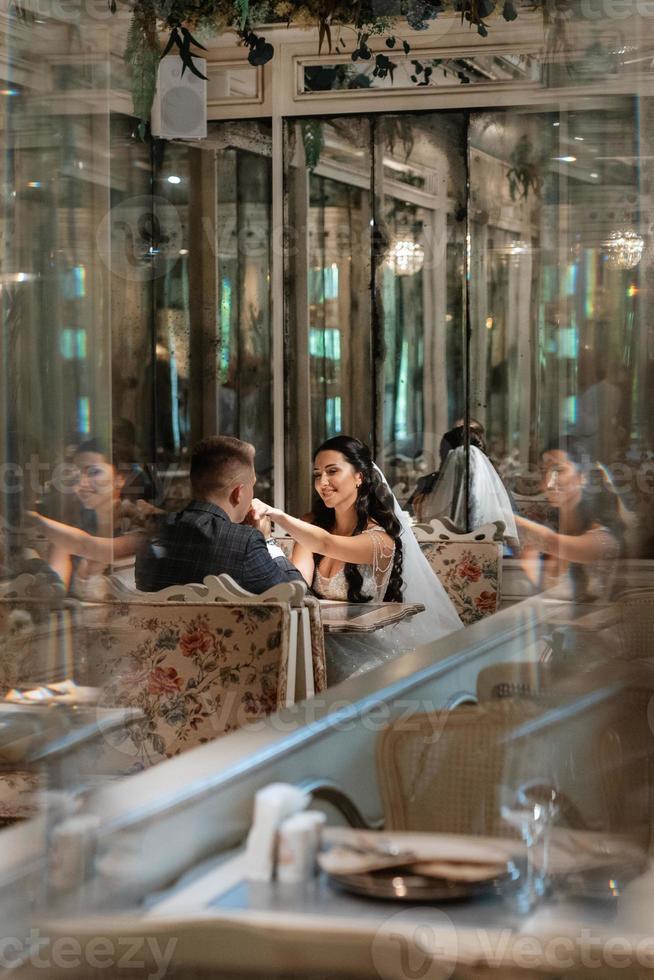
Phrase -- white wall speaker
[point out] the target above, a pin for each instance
(179, 110)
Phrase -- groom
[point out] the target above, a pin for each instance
(209, 537)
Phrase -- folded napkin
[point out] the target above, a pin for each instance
(433, 855)
(459, 870)
(466, 858)
(574, 851)
(64, 692)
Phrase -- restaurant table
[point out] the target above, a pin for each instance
(358, 617)
(223, 922)
(58, 739)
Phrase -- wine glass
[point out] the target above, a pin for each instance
(529, 802)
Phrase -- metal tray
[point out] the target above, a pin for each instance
(399, 884)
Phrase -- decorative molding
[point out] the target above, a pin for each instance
(440, 531)
(216, 588)
(441, 52)
(214, 68)
(175, 593)
(223, 588)
(431, 201)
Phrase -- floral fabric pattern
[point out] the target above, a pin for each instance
(537, 508)
(195, 671)
(38, 645)
(317, 645)
(18, 790)
(470, 573)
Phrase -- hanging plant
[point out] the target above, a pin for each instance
(313, 138)
(526, 170)
(185, 20)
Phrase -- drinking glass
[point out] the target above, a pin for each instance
(529, 802)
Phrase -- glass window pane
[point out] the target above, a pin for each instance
(558, 266)
(328, 222)
(203, 241)
(420, 188)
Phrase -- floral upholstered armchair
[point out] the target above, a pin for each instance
(40, 633)
(468, 565)
(40, 640)
(535, 507)
(196, 670)
(18, 795)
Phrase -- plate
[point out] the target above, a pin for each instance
(402, 885)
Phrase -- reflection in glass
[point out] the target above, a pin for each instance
(244, 255)
(193, 304)
(420, 190)
(54, 368)
(554, 283)
(328, 212)
(404, 399)
(558, 258)
(433, 72)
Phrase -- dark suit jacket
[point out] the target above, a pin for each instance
(202, 540)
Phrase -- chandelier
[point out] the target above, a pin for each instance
(518, 247)
(405, 256)
(623, 249)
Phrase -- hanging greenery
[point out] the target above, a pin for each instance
(526, 170)
(313, 137)
(186, 20)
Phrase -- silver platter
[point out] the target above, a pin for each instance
(403, 886)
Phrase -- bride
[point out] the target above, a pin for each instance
(358, 546)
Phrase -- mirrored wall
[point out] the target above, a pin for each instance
(506, 263)
(490, 265)
(197, 307)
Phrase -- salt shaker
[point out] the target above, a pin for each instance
(297, 846)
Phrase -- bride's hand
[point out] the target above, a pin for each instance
(54, 530)
(259, 509)
(261, 523)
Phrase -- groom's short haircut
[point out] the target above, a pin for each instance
(218, 463)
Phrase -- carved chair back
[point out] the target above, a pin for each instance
(196, 669)
(41, 635)
(468, 565)
(307, 670)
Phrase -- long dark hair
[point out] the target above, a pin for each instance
(456, 437)
(599, 504)
(374, 503)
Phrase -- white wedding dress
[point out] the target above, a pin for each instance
(375, 577)
(348, 654)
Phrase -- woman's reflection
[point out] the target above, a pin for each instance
(592, 525)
